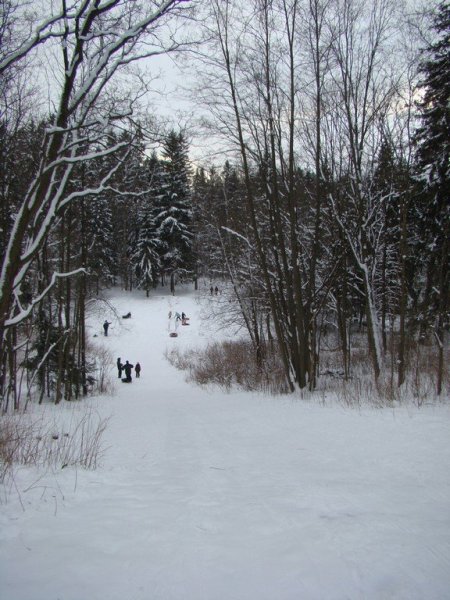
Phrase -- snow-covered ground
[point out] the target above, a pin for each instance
(204, 495)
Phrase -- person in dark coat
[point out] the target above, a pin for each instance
(127, 368)
(216, 290)
(137, 369)
(119, 368)
(106, 324)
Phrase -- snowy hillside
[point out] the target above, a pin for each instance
(203, 495)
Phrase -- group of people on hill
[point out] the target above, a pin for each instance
(178, 318)
(214, 290)
(127, 368)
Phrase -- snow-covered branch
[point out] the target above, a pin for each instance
(238, 235)
(25, 312)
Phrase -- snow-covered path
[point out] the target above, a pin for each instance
(211, 496)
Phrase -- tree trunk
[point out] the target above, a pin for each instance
(401, 362)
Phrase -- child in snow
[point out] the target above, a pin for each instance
(137, 369)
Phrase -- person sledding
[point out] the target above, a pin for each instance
(184, 319)
(127, 367)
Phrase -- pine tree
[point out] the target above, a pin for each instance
(145, 256)
(433, 165)
(433, 137)
(205, 197)
(131, 182)
(102, 258)
(200, 227)
(173, 211)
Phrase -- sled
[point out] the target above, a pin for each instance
(173, 334)
(185, 323)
